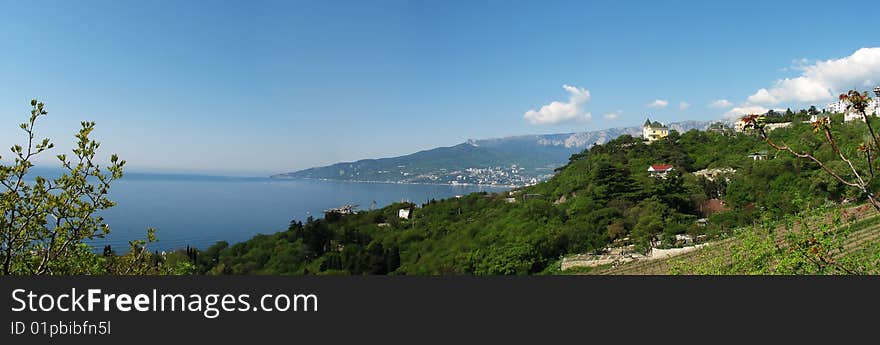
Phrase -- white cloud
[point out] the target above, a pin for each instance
(613, 115)
(559, 112)
(823, 80)
(800, 64)
(660, 103)
(746, 108)
(683, 106)
(797, 65)
(720, 103)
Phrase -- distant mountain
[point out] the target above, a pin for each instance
(516, 160)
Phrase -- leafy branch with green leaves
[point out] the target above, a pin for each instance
(46, 221)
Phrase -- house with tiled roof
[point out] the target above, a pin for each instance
(659, 170)
(652, 131)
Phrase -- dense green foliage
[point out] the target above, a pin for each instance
(602, 194)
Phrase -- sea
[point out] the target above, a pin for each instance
(198, 211)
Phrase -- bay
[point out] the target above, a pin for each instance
(198, 211)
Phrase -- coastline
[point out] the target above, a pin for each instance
(274, 177)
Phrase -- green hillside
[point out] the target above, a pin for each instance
(601, 195)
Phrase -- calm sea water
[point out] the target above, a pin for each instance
(199, 211)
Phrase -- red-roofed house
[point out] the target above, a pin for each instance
(659, 170)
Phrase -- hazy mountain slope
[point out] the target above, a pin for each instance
(515, 160)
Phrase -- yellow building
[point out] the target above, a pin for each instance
(652, 131)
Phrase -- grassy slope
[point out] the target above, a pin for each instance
(867, 224)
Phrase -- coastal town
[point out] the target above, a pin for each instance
(512, 176)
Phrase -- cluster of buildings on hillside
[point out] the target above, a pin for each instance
(842, 106)
(622, 251)
(512, 175)
(506, 176)
(653, 131)
(741, 124)
(346, 209)
(837, 107)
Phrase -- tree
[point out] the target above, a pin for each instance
(612, 180)
(647, 219)
(45, 222)
(671, 191)
(616, 230)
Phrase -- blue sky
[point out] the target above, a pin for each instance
(263, 87)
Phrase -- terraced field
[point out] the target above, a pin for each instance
(865, 224)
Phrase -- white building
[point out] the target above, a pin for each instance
(404, 213)
(659, 170)
(740, 125)
(852, 115)
(874, 106)
(684, 238)
(840, 106)
(758, 156)
(835, 107)
(652, 131)
(771, 126)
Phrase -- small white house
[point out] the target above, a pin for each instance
(758, 156)
(684, 238)
(404, 213)
(659, 170)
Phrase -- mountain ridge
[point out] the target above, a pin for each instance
(512, 160)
